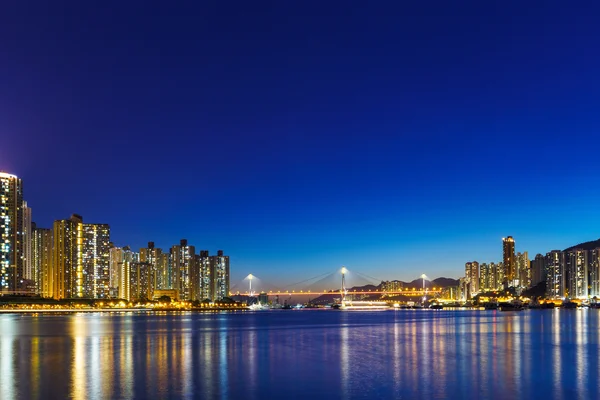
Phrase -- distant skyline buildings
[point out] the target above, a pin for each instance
(573, 273)
(508, 259)
(11, 232)
(76, 259)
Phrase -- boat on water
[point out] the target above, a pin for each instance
(346, 304)
(258, 307)
(436, 307)
(569, 305)
(492, 305)
(513, 306)
(363, 305)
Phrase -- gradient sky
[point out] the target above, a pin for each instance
(396, 138)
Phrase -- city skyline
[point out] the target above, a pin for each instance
(511, 260)
(303, 139)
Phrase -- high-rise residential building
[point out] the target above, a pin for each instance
(81, 259)
(486, 278)
(141, 281)
(499, 274)
(392, 286)
(594, 271)
(462, 290)
(508, 258)
(115, 263)
(69, 278)
(555, 274)
(523, 271)
(11, 232)
(202, 277)
(182, 259)
(153, 256)
(577, 273)
(472, 278)
(42, 244)
(538, 270)
(96, 260)
(121, 259)
(163, 267)
(28, 272)
(219, 275)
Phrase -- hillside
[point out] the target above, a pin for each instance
(417, 283)
(437, 282)
(591, 245)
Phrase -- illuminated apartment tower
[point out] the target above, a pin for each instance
(121, 259)
(204, 268)
(486, 278)
(11, 232)
(595, 273)
(115, 264)
(201, 277)
(153, 256)
(115, 258)
(577, 273)
(141, 281)
(81, 259)
(508, 258)
(523, 271)
(499, 274)
(69, 277)
(555, 274)
(96, 260)
(42, 244)
(219, 276)
(129, 258)
(163, 267)
(182, 260)
(28, 270)
(472, 278)
(538, 269)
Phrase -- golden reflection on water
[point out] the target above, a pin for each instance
(434, 354)
(7, 377)
(345, 360)
(556, 343)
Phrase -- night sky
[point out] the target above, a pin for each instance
(394, 138)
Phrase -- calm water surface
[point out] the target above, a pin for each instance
(549, 354)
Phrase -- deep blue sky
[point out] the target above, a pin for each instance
(395, 139)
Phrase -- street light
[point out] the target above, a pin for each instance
(423, 276)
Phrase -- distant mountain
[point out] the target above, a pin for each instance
(437, 282)
(416, 284)
(445, 282)
(591, 245)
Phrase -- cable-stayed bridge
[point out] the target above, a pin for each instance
(329, 283)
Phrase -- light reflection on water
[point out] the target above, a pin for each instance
(551, 354)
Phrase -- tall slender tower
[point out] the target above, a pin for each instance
(555, 274)
(96, 260)
(577, 273)
(183, 259)
(523, 272)
(69, 278)
(219, 276)
(28, 270)
(508, 252)
(153, 256)
(594, 272)
(538, 270)
(42, 247)
(472, 276)
(11, 232)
